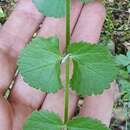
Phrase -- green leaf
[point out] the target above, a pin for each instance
(128, 69)
(2, 14)
(51, 8)
(83, 123)
(125, 85)
(86, 1)
(123, 74)
(94, 68)
(122, 60)
(43, 120)
(39, 64)
(125, 88)
(128, 55)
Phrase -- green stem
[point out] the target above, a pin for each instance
(68, 36)
(66, 105)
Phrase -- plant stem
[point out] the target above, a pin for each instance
(66, 105)
(68, 6)
(66, 98)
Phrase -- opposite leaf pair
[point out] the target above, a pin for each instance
(51, 121)
(94, 67)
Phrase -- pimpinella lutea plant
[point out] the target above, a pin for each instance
(39, 64)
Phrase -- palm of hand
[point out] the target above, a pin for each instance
(15, 33)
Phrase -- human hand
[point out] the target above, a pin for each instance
(86, 24)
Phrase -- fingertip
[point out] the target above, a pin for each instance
(90, 23)
(96, 7)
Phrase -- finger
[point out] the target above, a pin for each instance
(90, 23)
(89, 30)
(100, 107)
(24, 100)
(51, 26)
(5, 115)
(13, 36)
(17, 31)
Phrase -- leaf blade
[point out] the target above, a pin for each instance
(84, 123)
(39, 64)
(94, 68)
(43, 120)
(122, 60)
(86, 1)
(51, 8)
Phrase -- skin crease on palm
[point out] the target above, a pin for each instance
(16, 32)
